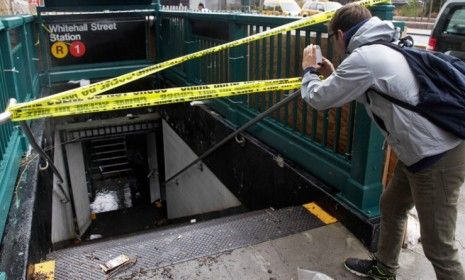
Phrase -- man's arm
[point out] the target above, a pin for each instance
(350, 80)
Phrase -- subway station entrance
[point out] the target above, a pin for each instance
(297, 173)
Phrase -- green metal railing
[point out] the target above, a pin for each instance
(340, 146)
(19, 79)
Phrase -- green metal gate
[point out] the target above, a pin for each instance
(341, 146)
(310, 138)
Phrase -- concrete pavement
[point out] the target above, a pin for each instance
(322, 249)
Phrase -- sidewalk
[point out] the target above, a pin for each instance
(417, 22)
(322, 249)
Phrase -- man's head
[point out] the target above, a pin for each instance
(201, 6)
(345, 18)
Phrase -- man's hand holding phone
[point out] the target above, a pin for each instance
(312, 58)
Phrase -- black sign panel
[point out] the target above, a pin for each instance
(79, 39)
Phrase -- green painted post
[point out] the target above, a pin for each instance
(25, 58)
(157, 6)
(11, 75)
(191, 44)
(4, 129)
(45, 61)
(385, 12)
(237, 56)
(28, 44)
(237, 68)
(158, 38)
(363, 187)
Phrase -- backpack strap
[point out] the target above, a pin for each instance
(396, 101)
(404, 42)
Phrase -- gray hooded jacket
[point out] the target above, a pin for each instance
(378, 67)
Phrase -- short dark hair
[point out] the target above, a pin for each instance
(201, 5)
(348, 16)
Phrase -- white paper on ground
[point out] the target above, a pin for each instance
(305, 274)
(104, 202)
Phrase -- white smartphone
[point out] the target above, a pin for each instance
(319, 56)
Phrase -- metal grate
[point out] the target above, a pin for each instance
(85, 134)
(95, 129)
(161, 248)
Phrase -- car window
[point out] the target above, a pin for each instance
(272, 8)
(309, 5)
(306, 5)
(456, 24)
(332, 6)
(326, 6)
(291, 6)
(270, 4)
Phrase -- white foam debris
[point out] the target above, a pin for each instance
(413, 229)
(127, 196)
(306, 274)
(82, 82)
(104, 202)
(95, 236)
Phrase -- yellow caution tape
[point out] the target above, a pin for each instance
(102, 86)
(110, 102)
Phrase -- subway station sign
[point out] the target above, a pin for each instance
(79, 39)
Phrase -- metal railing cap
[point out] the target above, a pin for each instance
(28, 18)
(13, 22)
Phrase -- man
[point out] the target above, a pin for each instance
(432, 161)
(201, 7)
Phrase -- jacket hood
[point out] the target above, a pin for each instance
(373, 30)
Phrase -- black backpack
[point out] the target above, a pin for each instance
(441, 80)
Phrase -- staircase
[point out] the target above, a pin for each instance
(109, 158)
